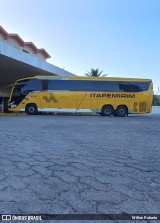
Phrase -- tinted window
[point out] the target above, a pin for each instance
(134, 86)
(105, 86)
(78, 85)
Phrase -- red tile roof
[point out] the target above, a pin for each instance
(7, 35)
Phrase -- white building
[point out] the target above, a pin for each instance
(20, 59)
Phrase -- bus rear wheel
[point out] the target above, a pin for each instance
(31, 109)
(107, 110)
(121, 111)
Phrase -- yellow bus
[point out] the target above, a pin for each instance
(104, 95)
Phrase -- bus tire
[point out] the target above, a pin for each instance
(121, 111)
(107, 110)
(31, 109)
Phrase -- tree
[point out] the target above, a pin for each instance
(155, 100)
(95, 73)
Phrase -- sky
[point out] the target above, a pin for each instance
(120, 37)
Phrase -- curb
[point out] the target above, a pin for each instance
(11, 114)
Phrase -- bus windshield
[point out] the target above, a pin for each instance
(23, 88)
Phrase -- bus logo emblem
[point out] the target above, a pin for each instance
(50, 99)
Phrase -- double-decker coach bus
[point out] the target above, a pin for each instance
(104, 95)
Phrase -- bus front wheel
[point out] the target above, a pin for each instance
(31, 109)
(107, 110)
(121, 111)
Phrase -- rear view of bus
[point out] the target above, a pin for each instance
(106, 96)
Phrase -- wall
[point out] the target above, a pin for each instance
(13, 42)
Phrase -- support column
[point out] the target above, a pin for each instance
(4, 96)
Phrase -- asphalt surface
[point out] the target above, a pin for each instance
(80, 164)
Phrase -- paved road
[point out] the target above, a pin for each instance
(79, 164)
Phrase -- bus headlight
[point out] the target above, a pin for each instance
(13, 106)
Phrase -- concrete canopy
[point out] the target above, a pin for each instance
(16, 64)
(12, 70)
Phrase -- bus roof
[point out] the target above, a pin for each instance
(88, 78)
